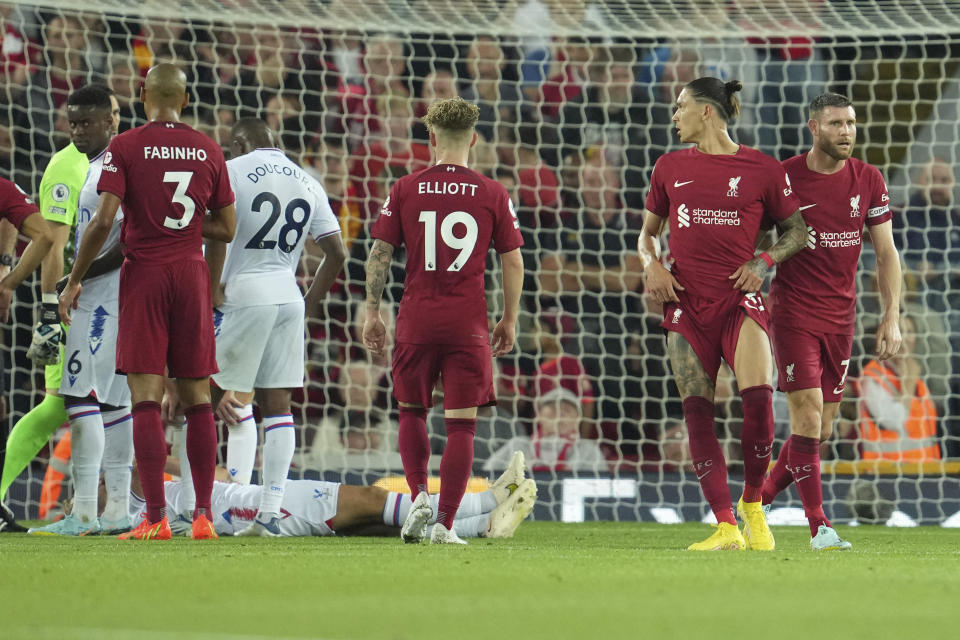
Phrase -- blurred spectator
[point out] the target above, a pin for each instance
(161, 40)
(328, 162)
(898, 418)
(555, 444)
(929, 228)
(14, 53)
(664, 79)
(491, 88)
(611, 115)
(385, 75)
(439, 84)
(390, 145)
(125, 83)
(542, 20)
(791, 72)
(558, 368)
(35, 114)
(566, 76)
(596, 276)
(674, 446)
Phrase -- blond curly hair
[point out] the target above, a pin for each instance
(453, 116)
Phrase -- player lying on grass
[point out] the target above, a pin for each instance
(316, 508)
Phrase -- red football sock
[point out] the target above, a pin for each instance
(202, 453)
(414, 445)
(708, 461)
(150, 450)
(780, 477)
(455, 467)
(805, 467)
(756, 438)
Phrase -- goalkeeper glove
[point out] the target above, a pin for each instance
(48, 334)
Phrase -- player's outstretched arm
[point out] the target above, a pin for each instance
(221, 224)
(93, 238)
(334, 255)
(378, 268)
(793, 236)
(660, 283)
(38, 230)
(889, 281)
(504, 334)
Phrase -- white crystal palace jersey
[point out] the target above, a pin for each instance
(277, 205)
(716, 204)
(817, 288)
(86, 207)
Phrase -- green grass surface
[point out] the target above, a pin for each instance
(596, 580)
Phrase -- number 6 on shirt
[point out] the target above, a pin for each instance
(182, 180)
(464, 244)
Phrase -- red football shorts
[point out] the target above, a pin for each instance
(712, 327)
(166, 320)
(466, 372)
(809, 359)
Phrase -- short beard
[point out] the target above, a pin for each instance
(834, 151)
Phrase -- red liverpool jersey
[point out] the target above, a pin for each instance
(168, 176)
(447, 217)
(817, 288)
(716, 204)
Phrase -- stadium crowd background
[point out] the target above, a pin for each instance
(572, 126)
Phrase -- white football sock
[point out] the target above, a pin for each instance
(242, 446)
(279, 442)
(117, 458)
(470, 527)
(488, 501)
(397, 506)
(470, 505)
(86, 452)
(188, 497)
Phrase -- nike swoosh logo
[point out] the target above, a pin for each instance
(677, 183)
(803, 478)
(807, 206)
(704, 475)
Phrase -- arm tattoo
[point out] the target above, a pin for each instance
(793, 237)
(378, 267)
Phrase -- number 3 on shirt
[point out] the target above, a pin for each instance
(464, 244)
(182, 180)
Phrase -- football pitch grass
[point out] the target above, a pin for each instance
(594, 580)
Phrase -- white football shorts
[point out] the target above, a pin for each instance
(90, 354)
(260, 347)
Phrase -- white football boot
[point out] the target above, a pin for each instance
(415, 526)
(504, 486)
(505, 519)
(442, 535)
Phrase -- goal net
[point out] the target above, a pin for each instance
(576, 100)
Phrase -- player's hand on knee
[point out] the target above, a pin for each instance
(170, 409)
(226, 410)
(504, 335)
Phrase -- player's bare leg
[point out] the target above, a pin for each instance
(201, 449)
(279, 443)
(697, 390)
(753, 362)
(150, 451)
